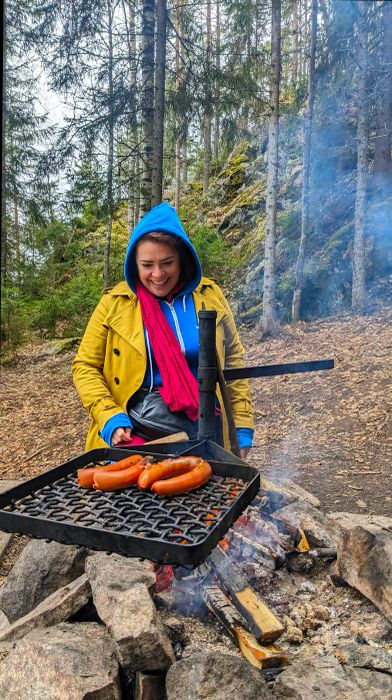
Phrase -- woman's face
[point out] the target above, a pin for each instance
(158, 266)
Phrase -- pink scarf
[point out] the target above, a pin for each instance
(179, 388)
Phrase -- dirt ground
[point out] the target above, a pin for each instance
(330, 431)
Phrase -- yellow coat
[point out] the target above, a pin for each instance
(111, 361)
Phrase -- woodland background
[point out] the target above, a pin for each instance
(267, 124)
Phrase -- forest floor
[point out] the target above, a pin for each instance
(330, 431)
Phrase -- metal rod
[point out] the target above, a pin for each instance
(234, 445)
(275, 370)
(207, 375)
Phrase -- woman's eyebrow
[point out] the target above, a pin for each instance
(148, 260)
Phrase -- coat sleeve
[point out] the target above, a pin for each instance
(238, 389)
(88, 368)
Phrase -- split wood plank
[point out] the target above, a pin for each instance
(261, 657)
(261, 621)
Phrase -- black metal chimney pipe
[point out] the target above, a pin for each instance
(207, 375)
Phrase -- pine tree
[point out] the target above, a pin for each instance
(299, 269)
(358, 279)
(269, 319)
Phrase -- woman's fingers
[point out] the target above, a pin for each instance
(121, 435)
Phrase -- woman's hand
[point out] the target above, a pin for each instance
(244, 451)
(121, 435)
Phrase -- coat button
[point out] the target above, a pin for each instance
(116, 380)
(116, 351)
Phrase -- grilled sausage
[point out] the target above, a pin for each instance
(189, 481)
(166, 469)
(111, 481)
(86, 476)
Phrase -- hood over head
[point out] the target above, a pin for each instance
(162, 217)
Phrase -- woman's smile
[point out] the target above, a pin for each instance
(158, 266)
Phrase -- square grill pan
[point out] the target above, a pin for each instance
(179, 529)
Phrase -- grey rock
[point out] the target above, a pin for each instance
(57, 608)
(124, 604)
(372, 627)
(320, 530)
(283, 491)
(175, 629)
(375, 658)
(5, 541)
(41, 569)
(373, 523)
(76, 662)
(4, 621)
(365, 561)
(322, 678)
(120, 572)
(374, 685)
(219, 676)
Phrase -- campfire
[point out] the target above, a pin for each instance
(68, 608)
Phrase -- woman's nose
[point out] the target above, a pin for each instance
(157, 273)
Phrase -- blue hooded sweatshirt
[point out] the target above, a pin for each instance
(164, 218)
(180, 313)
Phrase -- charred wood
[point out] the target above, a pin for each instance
(260, 619)
(260, 656)
(250, 549)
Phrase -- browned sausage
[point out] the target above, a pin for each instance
(86, 475)
(111, 481)
(166, 469)
(189, 481)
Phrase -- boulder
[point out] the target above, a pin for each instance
(374, 658)
(5, 541)
(120, 572)
(4, 621)
(372, 627)
(364, 560)
(123, 602)
(324, 677)
(219, 676)
(57, 608)
(373, 523)
(76, 662)
(371, 684)
(283, 491)
(320, 530)
(41, 569)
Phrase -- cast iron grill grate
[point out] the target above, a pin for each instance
(183, 519)
(180, 529)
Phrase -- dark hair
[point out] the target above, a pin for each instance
(187, 262)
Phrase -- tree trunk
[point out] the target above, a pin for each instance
(217, 87)
(269, 320)
(207, 106)
(184, 168)
(147, 107)
(382, 180)
(4, 227)
(109, 190)
(296, 10)
(299, 270)
(177, 193)
(358, 279)
(159, 111)
(133, 174)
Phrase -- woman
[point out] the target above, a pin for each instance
(139, 353)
